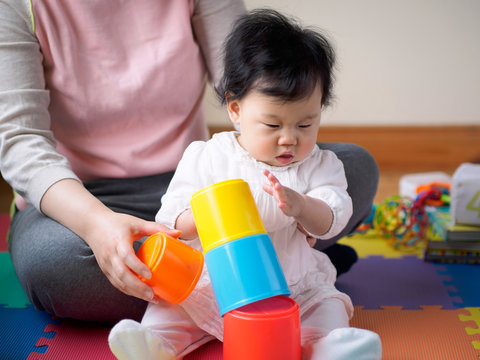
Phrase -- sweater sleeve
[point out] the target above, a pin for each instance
(28, 159)
(212, 21)
(330, 186)
(192, 174)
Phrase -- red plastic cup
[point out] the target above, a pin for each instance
(266, 329)
(175, 266)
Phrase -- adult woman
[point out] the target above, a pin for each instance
(98, 101)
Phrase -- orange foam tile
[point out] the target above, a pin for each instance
(429, 333)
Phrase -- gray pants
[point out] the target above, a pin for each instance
(60, 274)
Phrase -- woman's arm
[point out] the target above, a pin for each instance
(110, 235)
(212, 21)
(29, 160)
(33, 167)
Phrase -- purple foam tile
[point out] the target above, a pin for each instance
(409, 282)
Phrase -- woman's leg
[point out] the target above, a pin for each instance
(58, 270)
(361, 171)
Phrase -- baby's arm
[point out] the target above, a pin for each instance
(312, 214)
(186, 224)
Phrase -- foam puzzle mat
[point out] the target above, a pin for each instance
(421, 310)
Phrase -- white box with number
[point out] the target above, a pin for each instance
(465, 195)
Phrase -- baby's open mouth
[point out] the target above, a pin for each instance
(284, 158)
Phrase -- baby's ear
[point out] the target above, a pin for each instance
(233, 109)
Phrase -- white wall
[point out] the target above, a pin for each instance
(403, 62)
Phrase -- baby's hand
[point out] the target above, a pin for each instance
(289, 201)
(186, 224)
(310, 239)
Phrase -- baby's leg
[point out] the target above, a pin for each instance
(166, 332)
(327, 335)
(321, 319)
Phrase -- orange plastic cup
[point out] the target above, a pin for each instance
(175, 266)
(266, 329)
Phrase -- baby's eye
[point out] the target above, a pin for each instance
(304, 126)
(273, 126)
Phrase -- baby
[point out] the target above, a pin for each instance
(277, 79)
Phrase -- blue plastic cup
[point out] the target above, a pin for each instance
(245, 270)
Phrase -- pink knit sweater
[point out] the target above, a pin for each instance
(104, 88)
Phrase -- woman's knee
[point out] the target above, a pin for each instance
(41, 250)
(60, 274)
(356, 160)
(362, 174)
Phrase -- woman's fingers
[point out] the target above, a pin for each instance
(128, 257)
(124, 279)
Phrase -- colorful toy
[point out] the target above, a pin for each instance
(403, 221)
(244, 271)
(266, 329)
(239, 254)
(434, 194)
(400, 221)
(247, 279)
(225, 211)
(368, 223)
(408, 184)
(175, 266)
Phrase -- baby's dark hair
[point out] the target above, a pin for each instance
(274, 55)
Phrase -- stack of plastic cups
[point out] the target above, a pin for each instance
(247, 279)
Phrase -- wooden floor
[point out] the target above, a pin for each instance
(388, 184)
(398, 151)
(5, 197)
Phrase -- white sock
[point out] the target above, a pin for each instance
(129, 340)
(348, 344)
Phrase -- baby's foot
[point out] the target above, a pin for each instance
(348, 344)
(129, 340)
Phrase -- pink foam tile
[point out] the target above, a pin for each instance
(210, 351)
(4, 224)
(75, 340)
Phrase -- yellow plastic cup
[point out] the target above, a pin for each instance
(225, 211)
(175, 266)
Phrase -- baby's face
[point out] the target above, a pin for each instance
(275, 132)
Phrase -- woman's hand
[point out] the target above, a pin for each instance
(111, 240)
(110, 235)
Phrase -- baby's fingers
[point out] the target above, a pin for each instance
(273, 180)
(268, 189)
